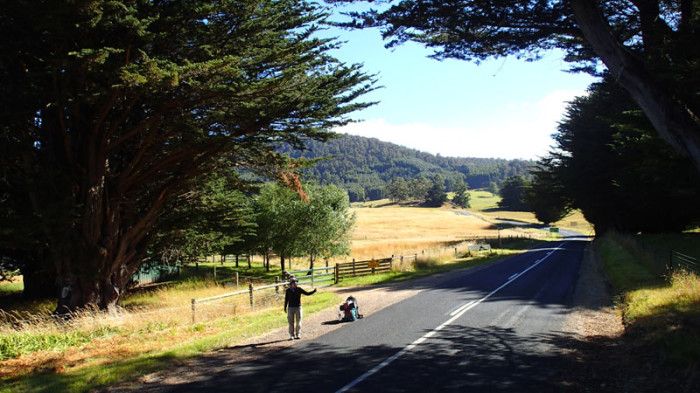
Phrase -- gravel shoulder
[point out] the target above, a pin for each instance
(591, 317)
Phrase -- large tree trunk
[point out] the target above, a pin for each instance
(80, 290)
(95, 276)
(39, 278)
(96, 259)
(673, 120)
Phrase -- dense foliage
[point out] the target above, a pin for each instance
(513, 194)
(214, 214)
(111, 109)
(318, 225)
(611, 164)
(366, 166)
(461, 197)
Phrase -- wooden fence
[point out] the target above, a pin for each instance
(312, 277)
(318, 278)
(362, 268)
(250, 291)
(323, 276)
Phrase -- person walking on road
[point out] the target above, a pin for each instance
(292, 306)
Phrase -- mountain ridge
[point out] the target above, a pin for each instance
(363, 166)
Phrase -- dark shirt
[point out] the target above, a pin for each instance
(292, 297)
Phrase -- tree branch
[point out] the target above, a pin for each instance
(676, 124)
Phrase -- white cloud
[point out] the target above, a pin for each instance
(522, 131)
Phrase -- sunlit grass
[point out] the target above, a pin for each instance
(156, 326)
(77, 357)
(385, 231)
(483, 200)
(680, 295)
(662, 312)
(13, 286)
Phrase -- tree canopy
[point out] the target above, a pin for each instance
(461, 198)
(610, 163)
(436, 196)
(513, 194)
(366, 166)
(649, 46)
(109, 110)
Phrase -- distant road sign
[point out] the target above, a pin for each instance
(554, 230)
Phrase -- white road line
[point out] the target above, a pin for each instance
(453, 313)
(454, 316)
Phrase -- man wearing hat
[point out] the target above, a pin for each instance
(292, 298)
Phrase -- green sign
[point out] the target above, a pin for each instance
(554, 230)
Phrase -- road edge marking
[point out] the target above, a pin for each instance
(454, 316)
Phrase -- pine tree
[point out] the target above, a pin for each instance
(110, 109)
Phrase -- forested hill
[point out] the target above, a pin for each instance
(362, 166)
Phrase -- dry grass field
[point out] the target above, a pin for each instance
(157, 323)
(397, 230)
(383, 228)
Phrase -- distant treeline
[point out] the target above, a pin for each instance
(363, 166)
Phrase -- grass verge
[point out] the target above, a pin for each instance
(661, 313)
(84, 358)
(136, 353)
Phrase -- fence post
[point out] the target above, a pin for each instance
(193, 310)
(670, 260)
(236, 280)
(336, 273)
(277, 281)
(252, 303)
(214, 273)
(312, 278)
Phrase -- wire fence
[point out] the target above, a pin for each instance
(248, 295)
(679, 260)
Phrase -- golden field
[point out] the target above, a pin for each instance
(383, 228)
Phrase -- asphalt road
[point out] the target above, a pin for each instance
(496, 329)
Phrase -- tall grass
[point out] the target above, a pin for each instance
(661, 312)
(47, 351)
(155, 326)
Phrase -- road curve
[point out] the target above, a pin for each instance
(496, 329)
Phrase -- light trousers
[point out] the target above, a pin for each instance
(294, 314)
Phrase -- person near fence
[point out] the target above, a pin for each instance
(292, 306)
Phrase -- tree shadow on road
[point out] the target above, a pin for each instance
(457, 359)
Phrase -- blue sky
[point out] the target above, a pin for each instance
(504, 108)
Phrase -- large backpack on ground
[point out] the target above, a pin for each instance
(350, 310)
